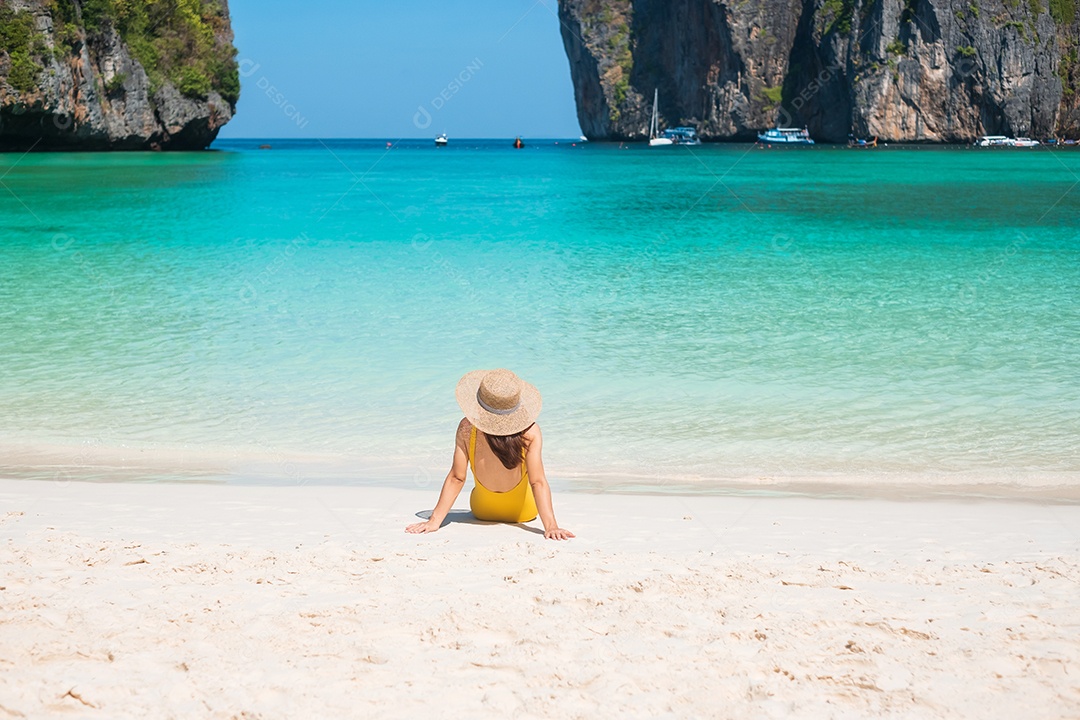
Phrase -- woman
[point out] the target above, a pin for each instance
(499, 437)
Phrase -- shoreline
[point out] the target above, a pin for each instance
(156, 600)
(266, 466)
(218, 469)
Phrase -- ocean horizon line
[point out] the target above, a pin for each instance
(425, 138)
(431, 137)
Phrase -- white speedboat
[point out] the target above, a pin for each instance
(786, 136)
(1025, 142)
(655, 138)
(441, 140)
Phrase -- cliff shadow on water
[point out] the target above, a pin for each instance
(901, 70)
(108, 74)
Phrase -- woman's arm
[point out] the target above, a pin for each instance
(534, 463)
(455, 480)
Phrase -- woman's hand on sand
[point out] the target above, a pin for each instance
(558, 534)
(422, 527)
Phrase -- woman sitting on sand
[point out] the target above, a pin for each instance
(499, 437)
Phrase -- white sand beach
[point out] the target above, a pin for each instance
(161, 601)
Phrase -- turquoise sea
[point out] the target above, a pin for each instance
(698, 319)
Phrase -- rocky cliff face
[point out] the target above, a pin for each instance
(903, 70)
(104, 74)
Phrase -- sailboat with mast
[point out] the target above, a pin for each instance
(654, 125)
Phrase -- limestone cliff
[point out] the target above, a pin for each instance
(903, 70)
(115, 74)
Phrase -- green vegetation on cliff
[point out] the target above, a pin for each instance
(1068, 70)
(772, 96)
(175, 40)
(180, 41)
(23, 45)
(1063, 11)
(619, 45)
(608, 24)
(837, 16)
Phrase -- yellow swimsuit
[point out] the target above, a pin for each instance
(513, 506)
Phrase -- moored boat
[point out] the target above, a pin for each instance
(786, 136)
(1003, 141)
(441, 140)
(683, 135)
(518, 144)
(655, 139)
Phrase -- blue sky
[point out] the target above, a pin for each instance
(401, 68)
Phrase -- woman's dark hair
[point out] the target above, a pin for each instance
(508, 448)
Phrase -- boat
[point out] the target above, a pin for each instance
(854, 142)
(654, 137)
(518, 144)
(786, 136)
(682, 136)
(441, 140)
(1003, 141)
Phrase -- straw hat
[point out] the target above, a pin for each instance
(498, 402)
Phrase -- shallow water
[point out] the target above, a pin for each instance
(694, 317)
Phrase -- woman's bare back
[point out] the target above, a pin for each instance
(492, 474)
